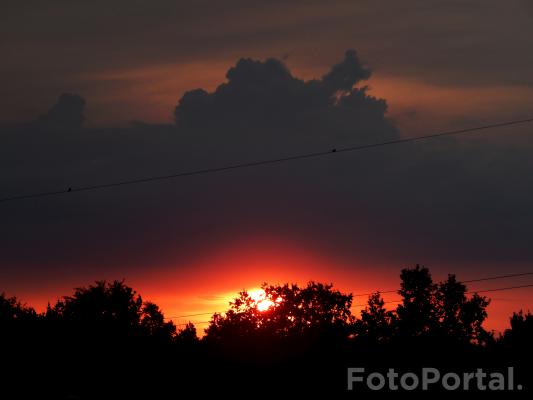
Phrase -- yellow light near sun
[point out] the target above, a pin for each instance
(259, 296)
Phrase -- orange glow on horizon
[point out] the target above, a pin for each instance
(195, 291)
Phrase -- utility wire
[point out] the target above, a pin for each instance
(193, 315)
(385, 302)
(469, 292)
(262, 162)
(378, 291)
(194, 323)
(398, 301)
(490, 278)
(501, 289)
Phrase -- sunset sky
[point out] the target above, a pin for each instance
(456, 205)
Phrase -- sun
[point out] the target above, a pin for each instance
(261, 302)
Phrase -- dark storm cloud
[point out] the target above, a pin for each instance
(261, 111)
(442, 201)
(49, 47)
(67, 113)
(264, 95)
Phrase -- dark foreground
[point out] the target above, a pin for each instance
(105, 342)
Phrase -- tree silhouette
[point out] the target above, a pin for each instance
(416, 313)
(112, 308)
(153, 323)
(103, 338)
(459, 318)
(518, 337)
(440, 310)
(293, 311)
(12, 310)
(187, 336)
(376, 325)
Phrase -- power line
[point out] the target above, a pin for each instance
(490, 278)
(195, 323)
(501, 289)
(261, 162)
(385, 302)
(193, 315)
(468, 292)
(399, 301)
(378, 291)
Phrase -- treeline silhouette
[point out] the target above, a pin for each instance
(104, 341)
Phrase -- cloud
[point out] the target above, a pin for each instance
(67, 113)
(443, 201)
(435, 42)
(262, 96)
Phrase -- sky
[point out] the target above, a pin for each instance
(158, 87)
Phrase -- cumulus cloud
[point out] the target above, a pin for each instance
(440, 201)
(67, 113)
(264, 95)
(437, 42)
